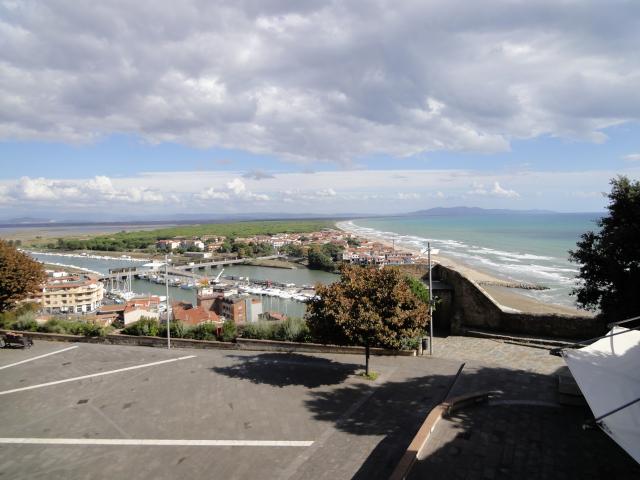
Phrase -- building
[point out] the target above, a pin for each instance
(273, 316)
(67, 293)
(168, 245)
(232, 308)
(239, 308)
(110, 314)
(137, 308)
(198, 254)
(192, 243)
(190, 315)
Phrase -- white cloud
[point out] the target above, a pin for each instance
(365, 191)
(319, 81)
(408, 196)
(212, 194)
(327, 192)
(92, 191)
(237, 186)
(497, 191)
(632, 157)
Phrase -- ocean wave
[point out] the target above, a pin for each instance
(512, 265)
(510, 255)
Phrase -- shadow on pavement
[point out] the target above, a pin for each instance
(284, 369)
(507, 441)
(523, 442)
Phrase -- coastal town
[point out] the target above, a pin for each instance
(97, 299)
(319, 240)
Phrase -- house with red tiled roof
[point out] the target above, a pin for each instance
(190, 315)
(137, 308)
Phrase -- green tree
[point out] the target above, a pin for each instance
(20, 276)
(319, 260)
(369, 307)
(610, 258)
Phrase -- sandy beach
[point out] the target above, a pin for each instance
(501, 291)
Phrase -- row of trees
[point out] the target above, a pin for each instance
(140, 240)
(245, 250)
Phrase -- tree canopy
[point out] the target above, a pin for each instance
(610, 258)
(369, 307)
(20, 276)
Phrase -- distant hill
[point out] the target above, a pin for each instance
(457, 211)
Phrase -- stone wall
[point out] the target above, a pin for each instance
(472, 307)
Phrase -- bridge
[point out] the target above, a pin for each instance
(182, 270)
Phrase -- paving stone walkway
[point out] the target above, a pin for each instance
(524, 433)
(491, 352)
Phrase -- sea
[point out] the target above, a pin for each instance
(528, 248)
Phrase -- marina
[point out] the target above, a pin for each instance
(281, 290)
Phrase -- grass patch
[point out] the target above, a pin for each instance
(370, 376)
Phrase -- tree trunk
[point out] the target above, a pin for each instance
(366, 355)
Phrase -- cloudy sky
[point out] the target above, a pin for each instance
(162, 107)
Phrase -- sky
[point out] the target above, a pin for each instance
(119, 109)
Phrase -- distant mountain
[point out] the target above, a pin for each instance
(457, 211)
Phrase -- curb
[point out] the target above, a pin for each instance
(416, 448)
(524, 340)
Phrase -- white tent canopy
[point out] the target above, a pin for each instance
(608, 374)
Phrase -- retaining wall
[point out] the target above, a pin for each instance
(473, 307)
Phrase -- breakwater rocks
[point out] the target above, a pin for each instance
(523, 286)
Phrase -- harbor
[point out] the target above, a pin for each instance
(281, 290)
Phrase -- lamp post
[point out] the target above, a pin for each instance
(431, 298)
(166, 284)
(430, 301)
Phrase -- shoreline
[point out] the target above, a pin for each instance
(502, 292)
(65, 253)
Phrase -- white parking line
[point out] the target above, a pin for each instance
(48, 384)
(155, 442)
(39, 356)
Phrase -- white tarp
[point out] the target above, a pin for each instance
(608, 374)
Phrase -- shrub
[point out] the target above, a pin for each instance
(177, 330)
(204, 331)
(229, 331)
(145, 327)
(263, 330)
(26, 322)
(74, 327)
(410, 343)
(289, 330)
(293, 330)
(8, 318)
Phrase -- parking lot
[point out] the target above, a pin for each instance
(97, 411)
